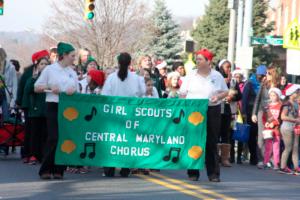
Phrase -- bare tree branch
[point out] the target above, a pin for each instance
(118, 26)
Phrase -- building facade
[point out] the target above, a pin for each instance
(283, 12)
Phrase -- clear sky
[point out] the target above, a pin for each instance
(22, 15)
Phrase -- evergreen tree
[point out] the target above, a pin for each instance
(165, 40)
(261, 54)
(213, 28)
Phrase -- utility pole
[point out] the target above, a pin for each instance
(248, 18)
(239, 37)
(232, 31)
(248, 29)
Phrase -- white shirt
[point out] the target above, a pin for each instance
(132, 86)
(84, 85)
(196, 86)
(154, 94)
(56, 76)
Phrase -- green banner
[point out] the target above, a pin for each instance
(131, 132)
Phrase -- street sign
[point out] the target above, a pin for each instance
(291, 37)
(258, 41)
(267, 40)
(276, 41)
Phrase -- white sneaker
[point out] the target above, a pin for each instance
(260, 165)
(269, 164)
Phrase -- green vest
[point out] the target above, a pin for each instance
(36, 101)
(21, 100)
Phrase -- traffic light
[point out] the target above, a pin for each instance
(89, 9)
(1, 7)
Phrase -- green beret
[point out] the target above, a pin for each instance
(64, 48)
(91, 59)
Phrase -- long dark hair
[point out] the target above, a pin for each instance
(39, 61)
(221, 69)
(124, 60)
(16, 64)
(272, 71)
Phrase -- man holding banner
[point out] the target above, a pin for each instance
(206, 83)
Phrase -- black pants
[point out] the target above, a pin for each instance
(110, 171)
(211, 156)
(239, 151)
(38, 137)
(252, 142)
(48, 164)
(27, 138)
(225, 129)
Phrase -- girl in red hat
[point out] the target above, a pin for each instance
(22, 100)
(290, 119)
(95, 81)
(36, 109)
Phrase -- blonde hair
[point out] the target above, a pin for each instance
(81, 51)
(140, 60)
(169, 78)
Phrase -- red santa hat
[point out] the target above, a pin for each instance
(238, 71)
(38, 55)
(206, 53)
(286, 87)
(161, 65)
(97, 76)
(291, 89)
(276, 91)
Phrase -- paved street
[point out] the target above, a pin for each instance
(20, 182)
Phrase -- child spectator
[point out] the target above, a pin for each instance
(271, 124)
(172, 90)
(290, 118)
(151, 91)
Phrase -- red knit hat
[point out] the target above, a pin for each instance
(38, 55)
(206, 53)
(97, 76)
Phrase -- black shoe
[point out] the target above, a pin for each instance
(45, 176)
(154, 170)
(193, 178)
(125, 172)
(109, 171)
(146, 172)
(214, 179)
(239, 161)
(253, 161)
(232, 160)
(58, 176)
(134, 171)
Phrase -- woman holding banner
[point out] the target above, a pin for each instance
(207, 83)
(56, 78)
(122, 83)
